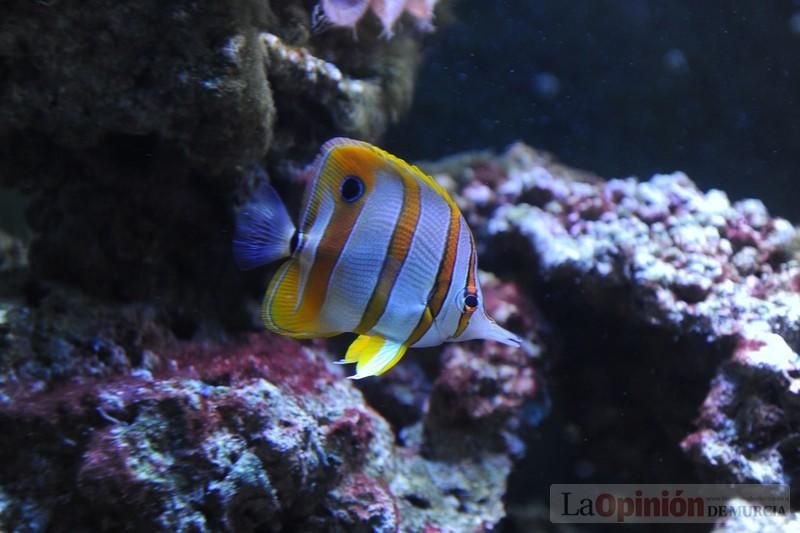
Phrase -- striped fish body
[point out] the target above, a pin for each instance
(382, 251)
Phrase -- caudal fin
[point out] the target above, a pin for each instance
(264, 230)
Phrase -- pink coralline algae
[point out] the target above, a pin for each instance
(254, 433)
(347, 13)
(664, 301)
(662, 326)
(694, 260)
(745, 413)
(484, 385)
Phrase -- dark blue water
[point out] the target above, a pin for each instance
(624, 87)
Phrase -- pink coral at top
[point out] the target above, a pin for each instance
(347, 13)
(344, 12)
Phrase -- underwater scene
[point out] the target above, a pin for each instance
(433, 266)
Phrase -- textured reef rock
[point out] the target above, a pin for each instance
(209, 443)
(662, 345)
(128, 124)
(110, 420)
(664, 303)
(196, 77)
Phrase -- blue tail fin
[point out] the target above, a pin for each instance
(264, 230)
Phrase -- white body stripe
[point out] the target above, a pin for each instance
(445, 324)
(310, 242)
(408, 298)
(356, 272)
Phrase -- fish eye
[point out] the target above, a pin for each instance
(470, 300)
(351, 188)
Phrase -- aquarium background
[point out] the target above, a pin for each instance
(139, 389)
(621, 87)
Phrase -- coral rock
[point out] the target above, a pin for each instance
(650, 290)
(260, 434)
(152, 113)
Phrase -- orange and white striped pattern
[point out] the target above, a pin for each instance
(382, 251)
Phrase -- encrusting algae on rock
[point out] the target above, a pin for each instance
(382, 251)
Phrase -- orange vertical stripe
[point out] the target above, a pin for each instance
(463, 321)
(443, 278)
(328, 251)
(343, 160)
(399, 246)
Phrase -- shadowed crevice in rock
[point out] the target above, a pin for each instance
(624, 393)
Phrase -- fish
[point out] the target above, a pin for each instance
(381, 250)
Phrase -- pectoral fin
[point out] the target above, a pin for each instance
(264, 229)
(374, 355)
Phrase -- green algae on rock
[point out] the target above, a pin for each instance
(148, 113)
(194, 76)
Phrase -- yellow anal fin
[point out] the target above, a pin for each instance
(359, 345)
(374, 355)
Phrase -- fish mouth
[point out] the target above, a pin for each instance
(512, 340)
(492, 331)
